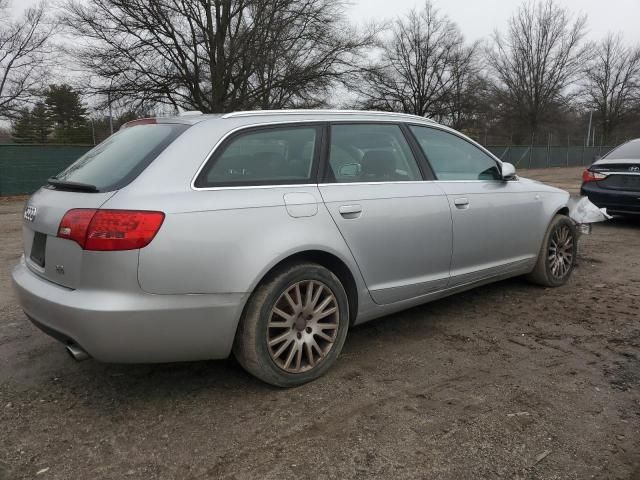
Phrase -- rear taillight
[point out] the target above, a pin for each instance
(589, 176)
(109, 230)
(75, 223)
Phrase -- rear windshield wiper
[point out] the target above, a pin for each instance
(73, 186)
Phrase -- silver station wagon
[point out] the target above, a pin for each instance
(268, 234)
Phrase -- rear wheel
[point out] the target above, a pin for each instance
(294, 326)
(557, 255)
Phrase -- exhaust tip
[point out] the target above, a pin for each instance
(77, 353)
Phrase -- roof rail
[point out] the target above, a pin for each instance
(251, 113)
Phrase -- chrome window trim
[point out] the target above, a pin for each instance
(300, 185)
(254, 187)
(494, 180)
(232, 132)
(325, 184)
(609, 173)
(343, 184)
(462, 136)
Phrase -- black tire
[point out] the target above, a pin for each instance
(546, 273)
(251, 346)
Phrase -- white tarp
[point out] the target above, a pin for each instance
(581, 210)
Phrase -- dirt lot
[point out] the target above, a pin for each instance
(508, 380)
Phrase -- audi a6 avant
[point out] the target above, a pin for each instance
(613, 182)
(269, 234)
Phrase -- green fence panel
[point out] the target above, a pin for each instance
(575, 155)
(25, 168)
(557, 157)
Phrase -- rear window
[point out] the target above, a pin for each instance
(122, 157)
(627, 151)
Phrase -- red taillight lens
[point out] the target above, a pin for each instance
(108, 230)
(589, 176)
(75, 223)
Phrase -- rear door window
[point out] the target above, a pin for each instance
(370, 153)
(122, 157)
(267, 156)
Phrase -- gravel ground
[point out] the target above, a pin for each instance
(508, 380)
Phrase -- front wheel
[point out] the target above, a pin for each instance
(557, 255)
(294, 326)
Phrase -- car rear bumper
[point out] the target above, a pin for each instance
(615, 201)
(131, 327)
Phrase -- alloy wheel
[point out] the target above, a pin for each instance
(303, 326)
(560, 255)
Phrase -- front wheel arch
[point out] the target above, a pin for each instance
(540, 274)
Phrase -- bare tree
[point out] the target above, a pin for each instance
(611, 83)
(537, 58)
(24, 46)
(461, 103)
(420, 65)
(214, 55)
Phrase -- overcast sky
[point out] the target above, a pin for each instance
(479, 18)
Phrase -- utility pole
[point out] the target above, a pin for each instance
(110, 112)
(589, 129)
(109, 102)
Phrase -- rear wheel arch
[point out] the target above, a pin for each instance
(281, 340)
(329, 261)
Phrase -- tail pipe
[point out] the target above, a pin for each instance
(76, 352)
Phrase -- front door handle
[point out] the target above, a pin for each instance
(461, 202)
(350, 211)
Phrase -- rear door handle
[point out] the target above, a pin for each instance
(461, 202)
(350, 211)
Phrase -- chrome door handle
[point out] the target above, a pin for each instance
(350, 211)
(461, 202)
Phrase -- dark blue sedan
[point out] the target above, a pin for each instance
(613, 182)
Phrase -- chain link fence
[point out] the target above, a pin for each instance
(548, 156)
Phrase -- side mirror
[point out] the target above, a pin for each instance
(508, 171)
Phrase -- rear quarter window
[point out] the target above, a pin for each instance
(122, 157)
(264, 156)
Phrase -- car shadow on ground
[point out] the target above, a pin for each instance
(97, 383)
(624, 222)
(105, 385)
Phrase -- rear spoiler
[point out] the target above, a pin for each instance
(140, 121)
